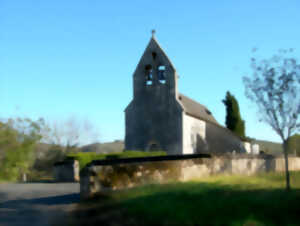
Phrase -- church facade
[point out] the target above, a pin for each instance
(161, 118)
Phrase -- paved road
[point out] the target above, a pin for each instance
(36, 203)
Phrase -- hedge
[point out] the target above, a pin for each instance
(86, 157)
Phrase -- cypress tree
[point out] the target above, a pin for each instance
(234, 121)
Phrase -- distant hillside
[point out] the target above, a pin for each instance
(269, 147)
(116, 146)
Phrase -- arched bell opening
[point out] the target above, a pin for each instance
(161, 72)
(148, 75)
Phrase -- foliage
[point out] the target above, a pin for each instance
(134, 154)
(294, 144)
(85, 158)
(234, 121)
(32, 147)
(275, 89)
(269, 147)
(17, 142)
(46, 156)
(216, 200)
(70, 133)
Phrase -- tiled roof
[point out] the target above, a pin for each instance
(195, 109)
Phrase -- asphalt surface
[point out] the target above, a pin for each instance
(37, 203)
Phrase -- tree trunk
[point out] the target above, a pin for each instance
(287, 173)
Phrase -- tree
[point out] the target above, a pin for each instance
(18, 138)
(275, 88)
(70, 133)
(234, 121)
(60, 138)
(294, 144)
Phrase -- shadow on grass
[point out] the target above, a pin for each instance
(195, 204)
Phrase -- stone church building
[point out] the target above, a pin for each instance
(161, 118)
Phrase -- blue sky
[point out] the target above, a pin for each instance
(76, 58)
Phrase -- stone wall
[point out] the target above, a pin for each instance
(97, 178)
(294, 164)
(66, 171)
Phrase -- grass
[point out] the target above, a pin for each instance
(86, 157)
(219, 200)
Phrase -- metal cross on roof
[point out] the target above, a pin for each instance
(153, 32)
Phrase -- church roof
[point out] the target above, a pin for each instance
(196, 110)
(154, 42)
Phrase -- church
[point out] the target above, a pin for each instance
(161, 118)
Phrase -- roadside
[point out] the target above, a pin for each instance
(36, 203)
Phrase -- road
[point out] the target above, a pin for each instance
(36, 203)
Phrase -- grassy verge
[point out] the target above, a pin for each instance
(220, 200)
(2, 180)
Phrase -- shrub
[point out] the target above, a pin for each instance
(85, 158)
(18, 138)
(134, 154)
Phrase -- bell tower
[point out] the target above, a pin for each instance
(154, 72)
(154, 116)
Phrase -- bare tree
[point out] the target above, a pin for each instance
(71, 133)
(275, 88)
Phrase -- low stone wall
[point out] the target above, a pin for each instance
(102, 175)
(294, 164)
(66, 171)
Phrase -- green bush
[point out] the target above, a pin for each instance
(85, 158)
(134, 154)
(18, 138)
(294, 144)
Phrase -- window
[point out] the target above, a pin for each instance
(149, 75)
(207, 111)
(154, 55)
(162, 74)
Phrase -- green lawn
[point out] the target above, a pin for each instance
(86, 157)
(220, 200)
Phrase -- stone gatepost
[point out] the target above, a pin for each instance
(66, 171)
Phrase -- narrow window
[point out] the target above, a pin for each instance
(154, 55)
(149, 75)
(162, 74)
(208, 112)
